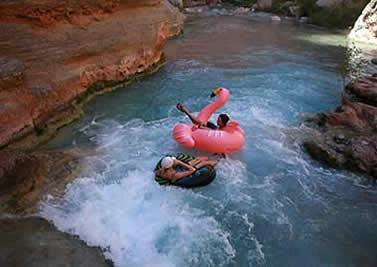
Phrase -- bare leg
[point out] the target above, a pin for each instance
(211, 163)
(197, 160)
(192, 117)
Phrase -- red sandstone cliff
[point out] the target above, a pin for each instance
(52, 51)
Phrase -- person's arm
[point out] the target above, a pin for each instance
(181, 163)
(192, 118)
(197, 160)
(179, 175)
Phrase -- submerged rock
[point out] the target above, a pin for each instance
(34, 242)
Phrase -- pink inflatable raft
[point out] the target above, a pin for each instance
(228, 140)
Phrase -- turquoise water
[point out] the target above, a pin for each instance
(270, 205)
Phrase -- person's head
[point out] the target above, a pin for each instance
(222, 120)
(167, 163)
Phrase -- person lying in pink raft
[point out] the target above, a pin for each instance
(226, 138)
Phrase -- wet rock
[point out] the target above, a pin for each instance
(364, 89)
(34, 242)
(357, 116)
(365, 29)
(340, 139)
(341, 147)
(11, 73)
(26, 177)
(320, 148)
(347, 137)
(363, 154)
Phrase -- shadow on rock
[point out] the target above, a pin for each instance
(347, 137)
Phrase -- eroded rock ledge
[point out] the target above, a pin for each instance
(347, 137)
(54, 54)
(26, 177)
(34, 242)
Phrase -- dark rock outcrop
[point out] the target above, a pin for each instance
(34, 242)
(347, 138)
(26, 177)
(343, 148)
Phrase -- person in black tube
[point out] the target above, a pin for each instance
(167, 171)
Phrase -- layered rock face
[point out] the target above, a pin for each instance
(365, 28)
(52, 51)
(348, 135)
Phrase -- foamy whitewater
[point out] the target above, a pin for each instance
(270, 205)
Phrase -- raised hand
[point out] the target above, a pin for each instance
(180, 107)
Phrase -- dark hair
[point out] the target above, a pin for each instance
(224, 118)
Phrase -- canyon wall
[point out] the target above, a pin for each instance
(55, 53)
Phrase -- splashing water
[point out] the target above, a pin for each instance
(270, 205)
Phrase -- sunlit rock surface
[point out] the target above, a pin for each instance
(365, 28)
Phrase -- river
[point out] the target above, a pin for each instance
(270, 205)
